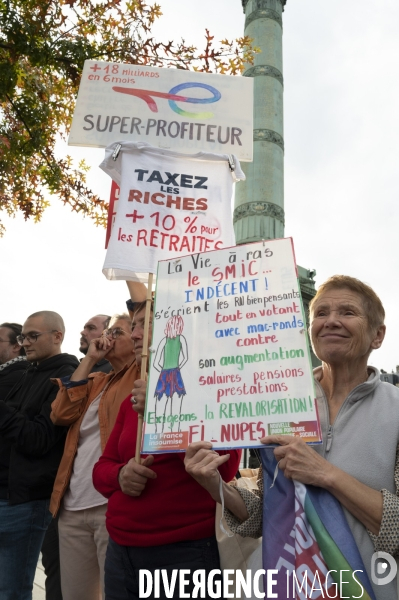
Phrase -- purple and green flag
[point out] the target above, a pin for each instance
(306, 538)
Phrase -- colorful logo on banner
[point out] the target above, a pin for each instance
(173, 97)
(307, 539)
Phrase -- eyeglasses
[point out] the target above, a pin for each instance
(114, 333)
(5, 341)
(31, 337)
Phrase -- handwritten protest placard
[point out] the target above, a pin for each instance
(230, 360)
(169, 108)
(169, 204)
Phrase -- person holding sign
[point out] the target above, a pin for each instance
(88, 402)
(158, 517)
(358, 459)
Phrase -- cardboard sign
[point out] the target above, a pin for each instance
(169, 204)
(169, 108)
(230, 360)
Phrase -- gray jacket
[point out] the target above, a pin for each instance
(362, 442)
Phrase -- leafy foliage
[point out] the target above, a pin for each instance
(43, 46)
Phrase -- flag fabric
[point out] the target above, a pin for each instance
(307, 539)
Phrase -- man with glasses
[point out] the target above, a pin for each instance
(96, 325)
(30, 451)
(12, 357)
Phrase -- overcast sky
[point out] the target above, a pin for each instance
(341, 174)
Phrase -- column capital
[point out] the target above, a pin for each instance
(258, 209)
(245, 2)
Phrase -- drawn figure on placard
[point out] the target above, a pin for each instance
(170, 357)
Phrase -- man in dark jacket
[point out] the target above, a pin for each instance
(30, 451)
(12, 357)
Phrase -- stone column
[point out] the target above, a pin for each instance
(259, 203)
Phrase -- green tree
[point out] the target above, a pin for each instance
(43, 46)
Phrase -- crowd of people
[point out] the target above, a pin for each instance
(71, 488)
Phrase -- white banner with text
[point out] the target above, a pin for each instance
(169, 108)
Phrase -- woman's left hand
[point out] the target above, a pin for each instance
(139, 393)
(299, 461)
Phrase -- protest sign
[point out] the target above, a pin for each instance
(230, 359)
(112, 210)
(169, 204)
(169, 108)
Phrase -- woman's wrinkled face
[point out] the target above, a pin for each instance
(122, 346)
(339, 328)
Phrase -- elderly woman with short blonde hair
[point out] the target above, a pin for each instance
(359, 417)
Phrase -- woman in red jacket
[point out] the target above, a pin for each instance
(158, 516)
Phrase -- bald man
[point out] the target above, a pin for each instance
(92, 330)
(31, 448)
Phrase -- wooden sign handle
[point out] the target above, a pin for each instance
(144, 358)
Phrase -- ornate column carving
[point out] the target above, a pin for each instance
(265, 70)
(259, 2)
(257, 209)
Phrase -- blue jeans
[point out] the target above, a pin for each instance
(191, 554)
(114, 576)
(22, 529)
